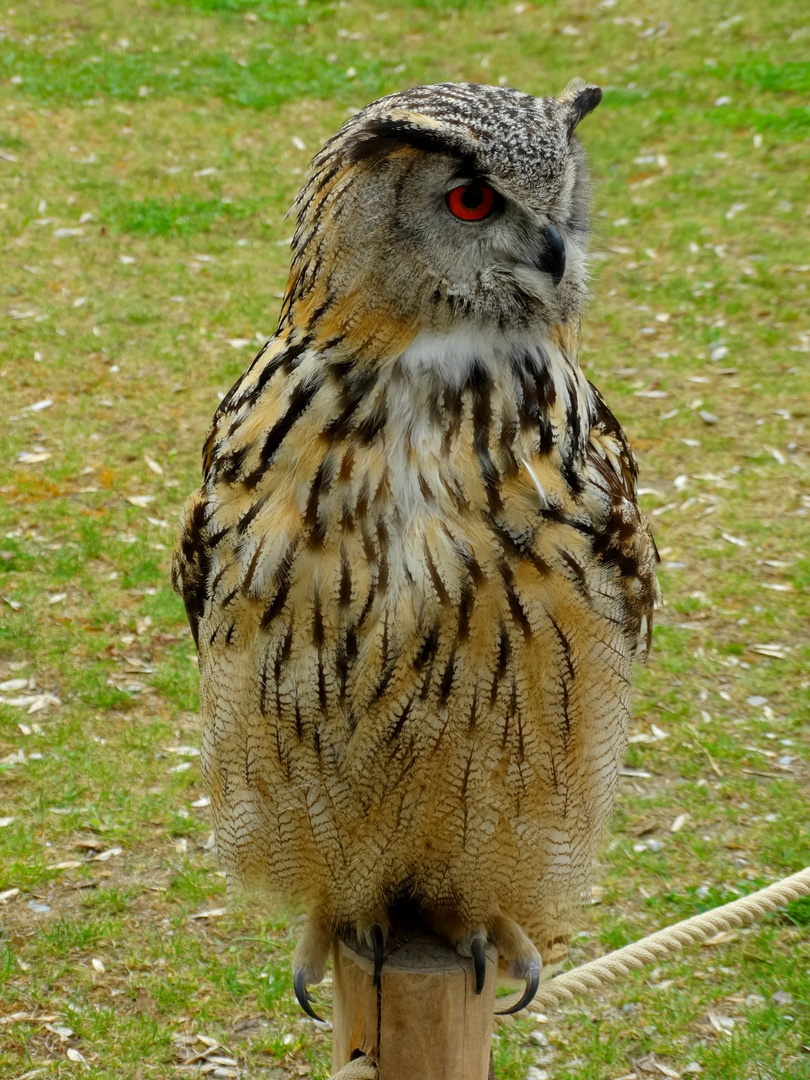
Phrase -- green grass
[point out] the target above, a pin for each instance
(148, 155)
(178, 216)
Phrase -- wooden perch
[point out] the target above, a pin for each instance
(425, 1023)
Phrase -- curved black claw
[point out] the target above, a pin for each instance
(532, 982)
(303, 995)
(478, 952)
(378, 948)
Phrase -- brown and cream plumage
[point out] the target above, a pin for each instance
(416, 571)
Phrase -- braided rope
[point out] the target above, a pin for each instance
(606, 969)
(362, 1068)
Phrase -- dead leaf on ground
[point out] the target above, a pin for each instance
(719, 939)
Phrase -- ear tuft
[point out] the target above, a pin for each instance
(580, 98)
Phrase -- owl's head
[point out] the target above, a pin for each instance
(448, 204)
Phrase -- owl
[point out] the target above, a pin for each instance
(416, 571)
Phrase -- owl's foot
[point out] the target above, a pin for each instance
(300, 980)
(514, 949)
(375, 935)
(309, 962)
(520, 955)
(475, 946)
(378, 947)
(527, 969)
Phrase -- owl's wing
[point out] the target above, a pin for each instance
(191, 562)
(626, 540)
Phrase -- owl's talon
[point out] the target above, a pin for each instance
(377, 937)
(532, 976)
(478, 951)
(303, 995)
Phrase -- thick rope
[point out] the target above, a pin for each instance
(362, 1068)
(614, 965)
(597, 973)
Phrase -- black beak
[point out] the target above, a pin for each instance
(551, 259)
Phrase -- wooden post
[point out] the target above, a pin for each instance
(425, 1023)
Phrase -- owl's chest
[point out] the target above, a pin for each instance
(389, 517)
(397, 584)
(432, 500)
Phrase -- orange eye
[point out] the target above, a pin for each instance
(471, 202)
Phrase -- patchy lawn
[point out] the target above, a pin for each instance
(148, 154)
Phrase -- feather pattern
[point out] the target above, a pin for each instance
(418, 578)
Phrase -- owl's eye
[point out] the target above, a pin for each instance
(471, 202)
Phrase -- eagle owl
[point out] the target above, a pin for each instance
(416, 571)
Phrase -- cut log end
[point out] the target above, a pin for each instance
(425, 1022)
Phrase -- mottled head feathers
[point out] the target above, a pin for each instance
(373, 220)
(492, 130)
